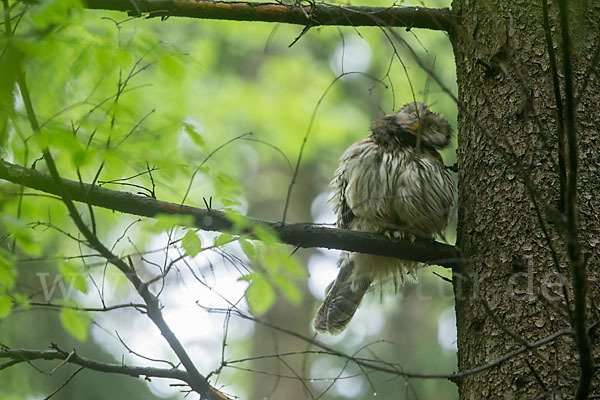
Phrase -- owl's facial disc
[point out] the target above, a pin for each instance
(407, 123)
(430, 128)
(414, 123)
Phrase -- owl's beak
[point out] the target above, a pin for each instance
(415, 128)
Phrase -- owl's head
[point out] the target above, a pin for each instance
(416, 120)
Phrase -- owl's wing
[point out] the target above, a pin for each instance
(359, 189)
(343, 175)
(345, 214)
(424, 194)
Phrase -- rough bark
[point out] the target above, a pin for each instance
(509, 294)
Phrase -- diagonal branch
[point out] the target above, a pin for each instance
(301, 234)
(307, 15)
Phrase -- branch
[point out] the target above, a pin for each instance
(392, 368)
(309, 15)
(304, 235)
(578, 267)
(17, 356)
(560, 124)
(90, 309)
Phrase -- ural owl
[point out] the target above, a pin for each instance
(393, 180)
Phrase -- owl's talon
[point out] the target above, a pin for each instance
(405, 235)
(400, 235)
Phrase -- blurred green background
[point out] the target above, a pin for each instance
(128, 93)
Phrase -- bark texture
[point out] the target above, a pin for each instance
(507, 117)
(310, 14)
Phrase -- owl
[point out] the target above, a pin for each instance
(392, 182)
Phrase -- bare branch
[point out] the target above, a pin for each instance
(560, 126)
(299, 234)
(137, 306)
(308, 15)
(17, 356)
(576, 262)
(392, 368)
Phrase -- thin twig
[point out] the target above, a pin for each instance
(90, 309)
(65, 383)
(389, 367)
(307, 134)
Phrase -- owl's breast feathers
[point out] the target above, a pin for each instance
(388, 185)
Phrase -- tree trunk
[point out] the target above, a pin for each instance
(507, 112)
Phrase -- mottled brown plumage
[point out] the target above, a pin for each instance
(393, 180)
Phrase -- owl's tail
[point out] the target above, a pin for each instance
(343, 297)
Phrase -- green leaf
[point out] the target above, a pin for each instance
(226, 186)
(272, 259)
(81, 62)
(288, 288)
(49, 13)
(193, 134)
(223, 239)
(22, 301)
(76, 323)
(8, 274)
(227, 181)
(165, 222)
(247, 277)
(22, 234)
(73, 276)
(172, 65)
(265, 234)
(248, 249)
(260, 294)
(191, 243)
(240, 222)
(294, 267)
(229, 202)
(6, 306)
